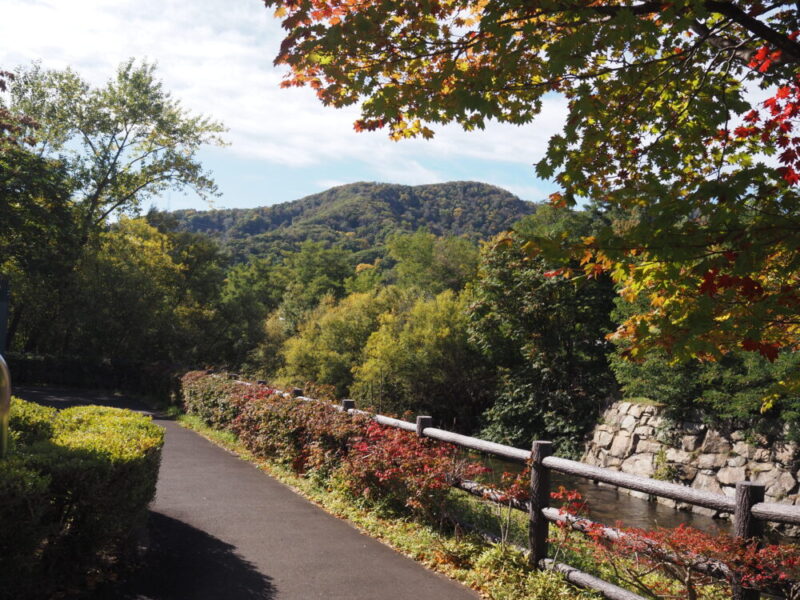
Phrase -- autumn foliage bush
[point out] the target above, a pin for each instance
(404, 470)
(378, 465)
(216, 399)
(310, 437)
(681, 562)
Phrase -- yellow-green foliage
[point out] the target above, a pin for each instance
(30, 422)
(99, 430)
(331, 341)
(73, 492)
(421, 360)
(503, 573)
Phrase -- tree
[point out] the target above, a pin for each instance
(742, 389)
(37, 220)
(123, 143)
(311, 273)
(71, 155)
(545, 336)
(13, 126)
(126, 299)
(250, 293)
(421, 359)
(432, 264)
(37, 233)
(330, 344)
(667, 129)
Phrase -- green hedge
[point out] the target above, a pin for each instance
(74, 492)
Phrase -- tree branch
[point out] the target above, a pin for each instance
(791, 49)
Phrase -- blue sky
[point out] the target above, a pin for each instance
(216, 58)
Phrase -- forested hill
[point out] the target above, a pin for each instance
(360, 216)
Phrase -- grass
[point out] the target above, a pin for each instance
(496, 571)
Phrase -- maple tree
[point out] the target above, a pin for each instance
(681, 125)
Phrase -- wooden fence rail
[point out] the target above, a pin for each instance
(748, 508)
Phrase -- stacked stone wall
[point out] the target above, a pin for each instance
(639, 439)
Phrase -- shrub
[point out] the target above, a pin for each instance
(30, 422)
(24, 501)
(670, 563)
(401, 471)
(73, 494)
(680, 562)
(384, 466)
(215, 398)
(306, 436)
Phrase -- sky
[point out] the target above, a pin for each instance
(215, 56)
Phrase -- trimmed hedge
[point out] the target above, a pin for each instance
(74, 492)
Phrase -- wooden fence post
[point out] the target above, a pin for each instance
(423, 421)
(746, 526)
(540, 499)
(347, 404)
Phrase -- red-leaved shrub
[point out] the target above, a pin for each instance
(686, 559)
(385, 466)
(402, 470)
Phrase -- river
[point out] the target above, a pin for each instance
(611, 506)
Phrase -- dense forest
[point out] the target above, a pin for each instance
(429, 299)
(360, 217)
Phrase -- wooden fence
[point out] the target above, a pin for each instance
(748, 508)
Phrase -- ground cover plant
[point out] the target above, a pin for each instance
(74, 492)
(396, 475)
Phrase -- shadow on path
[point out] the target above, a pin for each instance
(185, 563)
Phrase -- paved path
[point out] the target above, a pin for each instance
(220, 529)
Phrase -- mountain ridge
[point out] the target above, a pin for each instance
(361, 216)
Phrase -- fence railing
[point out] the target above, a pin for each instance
(748, 508)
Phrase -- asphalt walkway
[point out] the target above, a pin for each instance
(220, 529)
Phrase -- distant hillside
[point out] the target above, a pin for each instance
(360, 216)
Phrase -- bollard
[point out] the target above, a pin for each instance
(423, 421)
(540, 499)
(5, 405)
(746, 526)
(348, 404)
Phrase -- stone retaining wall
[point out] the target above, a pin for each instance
(640, 440)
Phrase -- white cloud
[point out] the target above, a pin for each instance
(216, 56)
(526, 192)
(325, 184)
